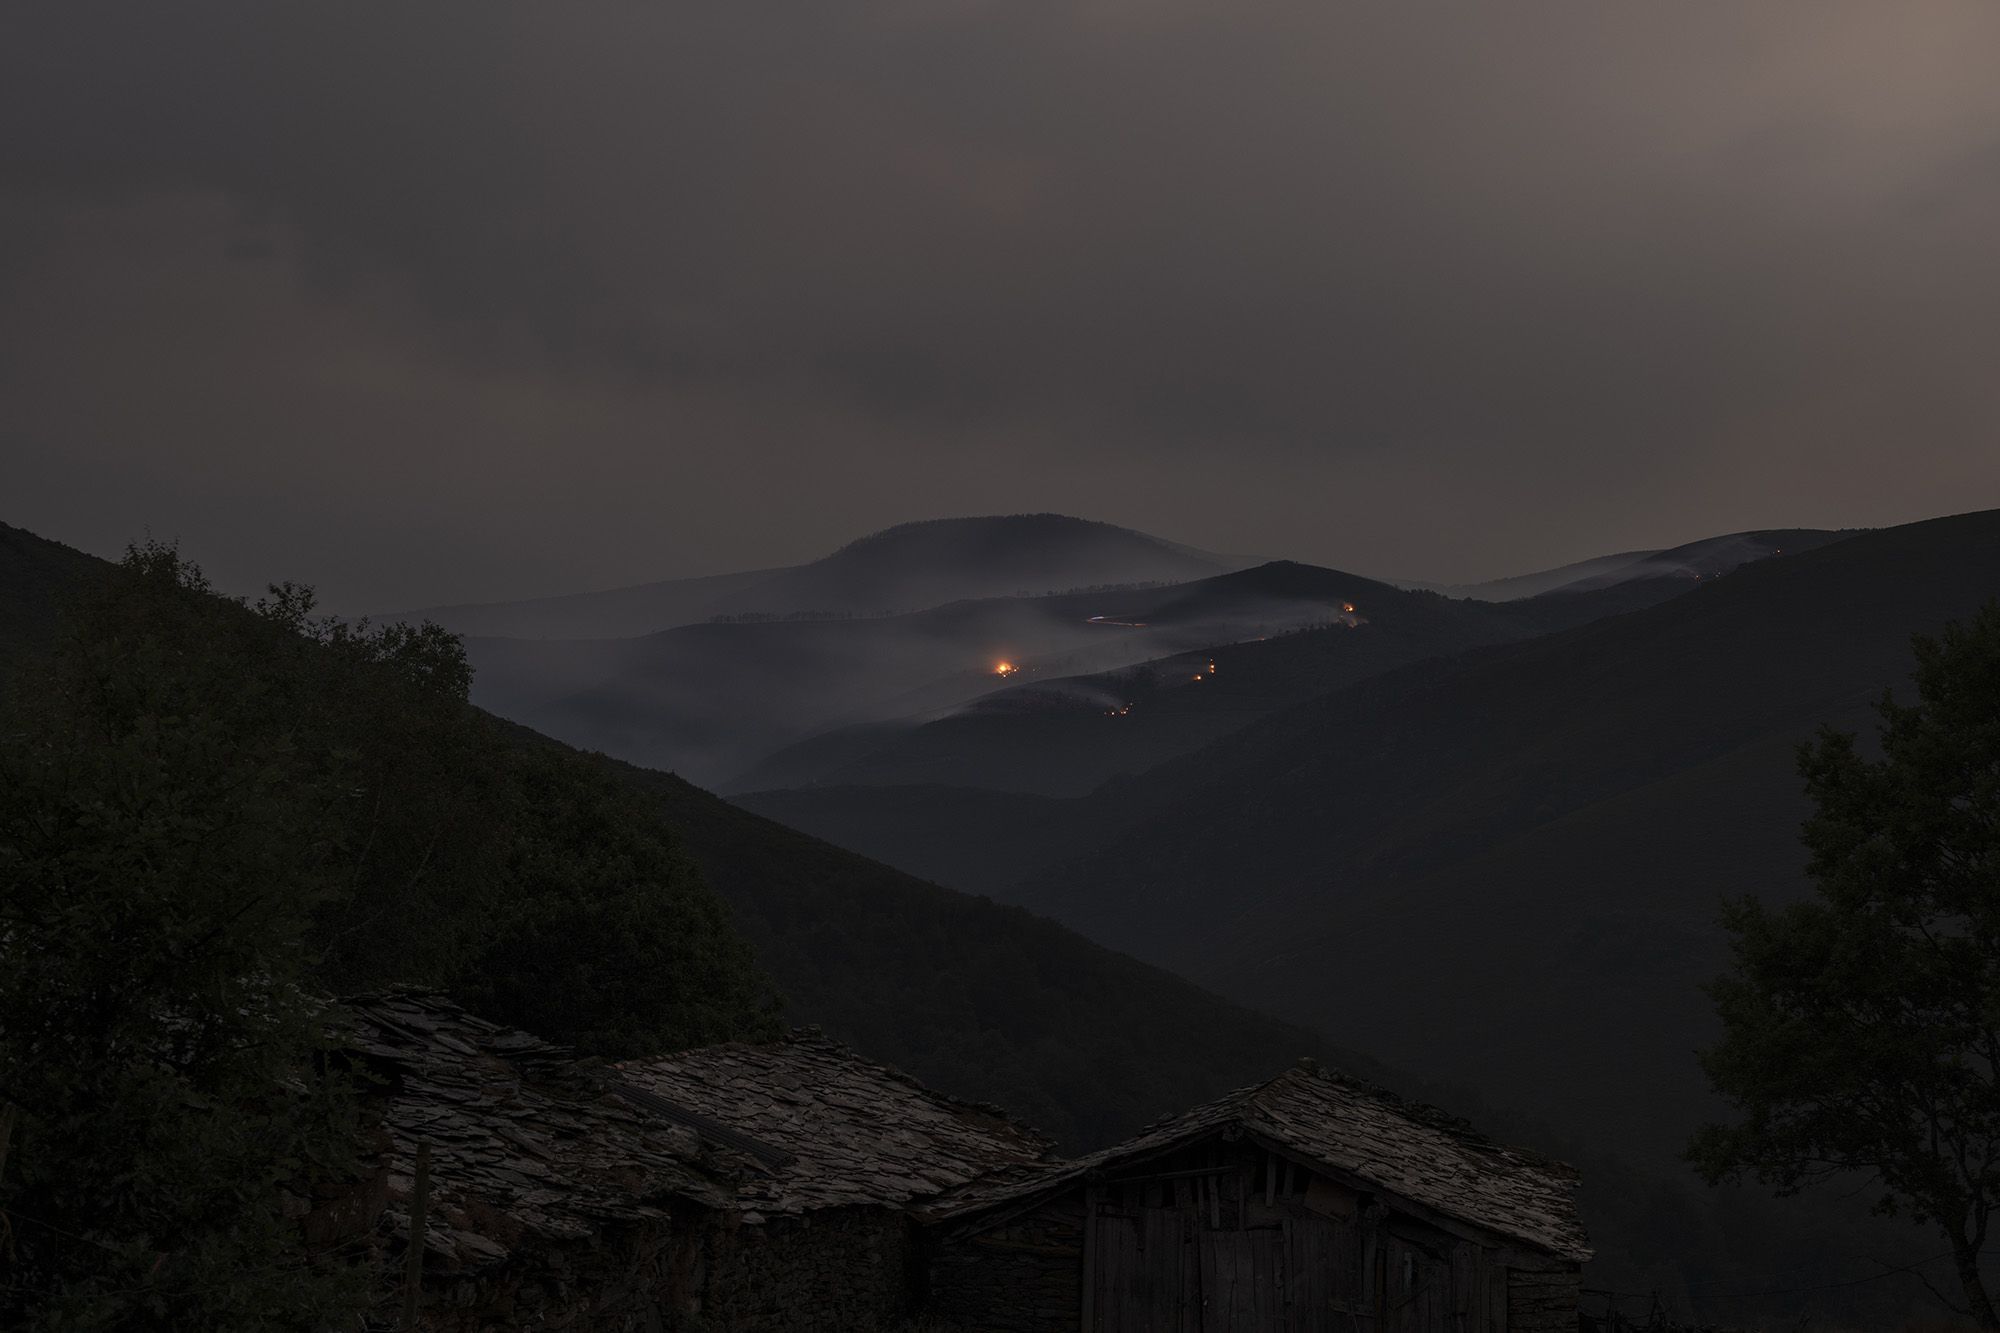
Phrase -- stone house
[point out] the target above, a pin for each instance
(795, 1185)
(733, 1187)
(1311, 1202)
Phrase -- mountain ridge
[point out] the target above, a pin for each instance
(710, 700)
(899, 569)
(1050, 737)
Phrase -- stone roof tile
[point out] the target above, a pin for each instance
(524, 1144)
(857, 1132)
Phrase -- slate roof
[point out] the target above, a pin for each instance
(1404, 1148)
(856, 1132)
(528, 1144)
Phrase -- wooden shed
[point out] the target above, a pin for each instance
(1312, 1202)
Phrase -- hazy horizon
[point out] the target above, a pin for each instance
(249, 579)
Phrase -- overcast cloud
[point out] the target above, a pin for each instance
(429, 302)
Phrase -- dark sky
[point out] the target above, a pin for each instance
(434, 301)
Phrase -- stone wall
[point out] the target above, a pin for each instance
(837, 1271)
(625, 1279)
(1022, 1277)
(827, 1272)
(1543, 1302)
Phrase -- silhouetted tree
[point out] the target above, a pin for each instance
(1862, 1027)
(213, 815)
(158, 871)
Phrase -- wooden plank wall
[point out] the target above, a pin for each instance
(1227, 1236)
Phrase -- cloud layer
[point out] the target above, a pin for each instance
(449, 300)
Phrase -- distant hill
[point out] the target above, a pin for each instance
(917, 565)
(910, 567)
(1065, 736)
(710, 700)
(1706, 558)
(810, 658)
(1505, 866)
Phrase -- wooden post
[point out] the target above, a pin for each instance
(1373, 1298)
(7, 1113)
(413, 1272)
(1091, 1194)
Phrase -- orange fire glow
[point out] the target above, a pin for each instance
(1004, 669)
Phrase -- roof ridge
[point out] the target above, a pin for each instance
(1436, 1117)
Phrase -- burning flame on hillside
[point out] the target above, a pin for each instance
(1004, 669)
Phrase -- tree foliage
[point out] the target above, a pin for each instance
(161, 864)
(212, 815)
(1862, 1027)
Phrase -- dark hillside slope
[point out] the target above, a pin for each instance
(1573, 954)
(984, 1000)
(34, 572)
(1349, 859)
(972, 838)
